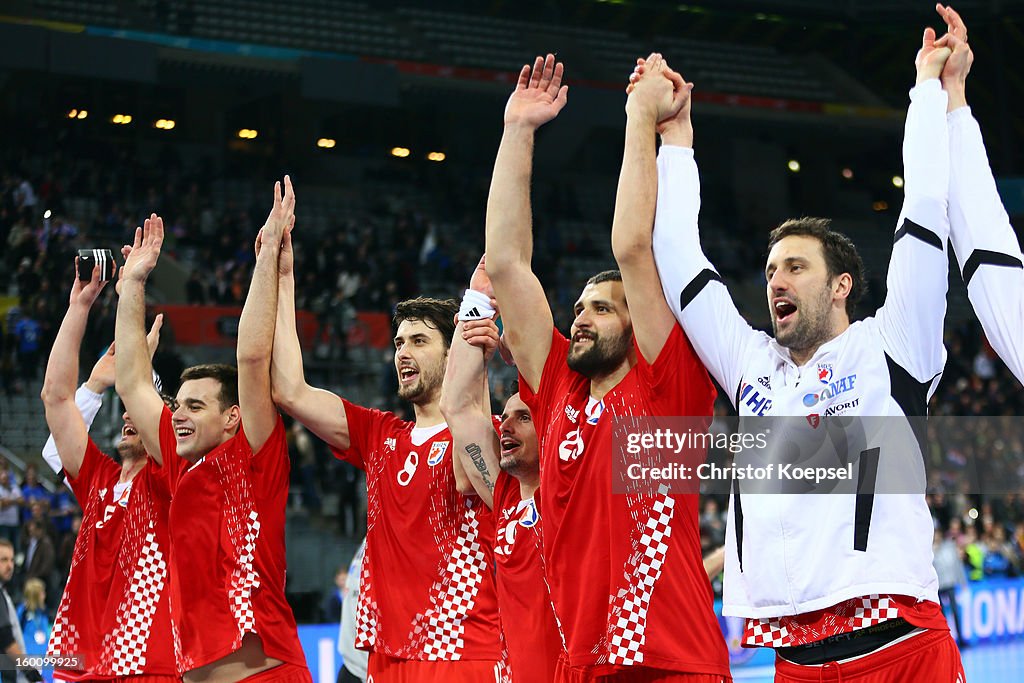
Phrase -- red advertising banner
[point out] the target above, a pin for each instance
(218, 326)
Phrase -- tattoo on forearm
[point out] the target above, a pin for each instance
(477, 456)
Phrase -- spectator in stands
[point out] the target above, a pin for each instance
(1000, 557)
(27, 335)
(195, 291)
(31, 490)
(34, 618)
(974, 554)
(330, 609)
(67, 547)
(303, 455)
(11, 642)
(10, 505)
(40, 557)
(712, 524)
(63, 509)
(39, 510)
(21, 245)
(25, 199)
(27, 279)
(949, 566)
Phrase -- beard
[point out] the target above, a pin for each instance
(812, 327)
(603, 356)
(428, 382)
(128, 451)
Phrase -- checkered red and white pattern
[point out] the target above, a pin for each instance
(801, 629)
(125, 648)
(243, 527)
(64, 637)
(185, 662)
(629, 605)
(367, 609)
(113, 613)
(452, 598)
(874, 609)
(767, 633)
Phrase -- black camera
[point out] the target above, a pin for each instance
(87, 260)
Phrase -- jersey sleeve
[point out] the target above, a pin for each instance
(679, 382)
(693, 288)
(271, 463)
(911, 318)
(540, 400)
(365, 428)
(173, 465)
(88, 404)
(985, 243)
(96, 467)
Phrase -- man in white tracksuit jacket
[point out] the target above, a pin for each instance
(841, 585)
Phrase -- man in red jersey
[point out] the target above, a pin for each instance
(505, 471)
(624, 571)
(114, 613)
(427, 608)
(224, 455)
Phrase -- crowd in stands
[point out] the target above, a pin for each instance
(43, 527)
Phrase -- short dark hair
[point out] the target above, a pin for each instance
(438, 314)
(605, 276)
(840, 253)
(6, 544)
(227, 375)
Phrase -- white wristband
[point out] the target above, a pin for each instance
(475, 306)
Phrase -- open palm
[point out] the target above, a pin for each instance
(145, 252)
(539, 94)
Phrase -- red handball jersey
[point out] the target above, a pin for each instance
(115, 611)
(228, 552)
(527, 620)
(426, 588)
(625, 571)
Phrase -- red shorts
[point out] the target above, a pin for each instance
(282, 673)
(634, 674)
(142, 678)
(384, 669)
(930, 656)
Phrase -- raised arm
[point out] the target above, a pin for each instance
(985, 243)
(465, 398)
(133, 367)
(69, 431)
(692, 287)
(322, 412)
(538, 97)
(915, 304)
(256, 326)
(657, 95)
(473, 436)
(89, 396)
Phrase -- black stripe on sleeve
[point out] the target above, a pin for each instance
(984, 257)
(696, 285)
(911, 228)
(737, 508)
(867, 474)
